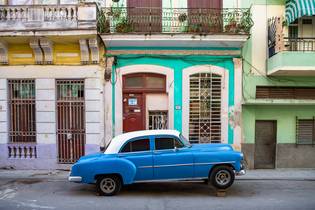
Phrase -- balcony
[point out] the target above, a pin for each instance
(29, 19)
(290, 56)
(148, 26)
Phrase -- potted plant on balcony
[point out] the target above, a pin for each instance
(124, 26)
(103, 25)
(246, 22)
(182, 17)
(231, 26)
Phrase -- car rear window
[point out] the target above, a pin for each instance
(167, 143)
(137, 146)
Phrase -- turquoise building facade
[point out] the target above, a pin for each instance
(175, 65)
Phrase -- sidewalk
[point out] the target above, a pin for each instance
(279, 174)
(261, 174)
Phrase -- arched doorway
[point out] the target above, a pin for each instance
(145, 102)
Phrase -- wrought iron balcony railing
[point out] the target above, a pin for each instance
(278, 43)
(299, 44)
(170, 20)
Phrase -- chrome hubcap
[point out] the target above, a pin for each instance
(108, 185)
(223, 177)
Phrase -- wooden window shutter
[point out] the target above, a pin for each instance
(305, 131)
(267, 92)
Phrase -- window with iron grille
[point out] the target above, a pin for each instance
(205, 108)
(157, 120)
(285, 92)
(305, 131)
(22, 110)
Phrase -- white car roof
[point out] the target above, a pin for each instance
(117, 142)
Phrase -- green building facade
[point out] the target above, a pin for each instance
(279, 88)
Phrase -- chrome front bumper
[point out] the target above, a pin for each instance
(75, 178)
(241, 172)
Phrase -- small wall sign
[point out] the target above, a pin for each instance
(178, 107)
(132, 101)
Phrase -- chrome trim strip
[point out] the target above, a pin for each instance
(185, 164)
(169, 180)
(145, 166)
(123, 154)
(174, 165)
(75, 178)
(213, 163)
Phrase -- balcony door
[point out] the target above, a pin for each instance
(307, 33)
(204, 16)
(145, 15)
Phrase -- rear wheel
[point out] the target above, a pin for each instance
(108, 185)
(222, 177)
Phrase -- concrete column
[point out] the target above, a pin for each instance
(238, 102)
(45, 111)
(45, 124)
(93, 116)
(108, 111)
(4, 121)
(108, 88)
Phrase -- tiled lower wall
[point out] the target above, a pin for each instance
(287, 155)
(46, 157)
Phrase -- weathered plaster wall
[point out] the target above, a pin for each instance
(177, 66)
(284, 115)
(63, 54)
(45, 78)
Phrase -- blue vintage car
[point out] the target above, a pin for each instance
(157, 155)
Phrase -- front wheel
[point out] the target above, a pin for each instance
(108, 185)
(222, 177)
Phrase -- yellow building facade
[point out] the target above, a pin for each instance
(51, 80)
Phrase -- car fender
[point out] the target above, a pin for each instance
(125, 168)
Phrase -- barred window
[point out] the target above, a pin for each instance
(22, 110)
(205, 108)
(305, 131)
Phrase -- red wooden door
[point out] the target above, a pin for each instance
(133, 112)
(205, 16)
(145, 15)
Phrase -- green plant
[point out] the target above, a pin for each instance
(231, 25)
(102, 23)
(246, 22)
(182, 17)
(114, 12)
(124, 26)
(193, 28)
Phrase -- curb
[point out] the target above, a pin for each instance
(276, 179)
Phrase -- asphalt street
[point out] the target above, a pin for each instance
(50, 192)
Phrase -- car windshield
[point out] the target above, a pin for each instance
(184, 140)
(107, 145)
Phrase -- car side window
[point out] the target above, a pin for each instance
(137, 146)
(167, 143)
